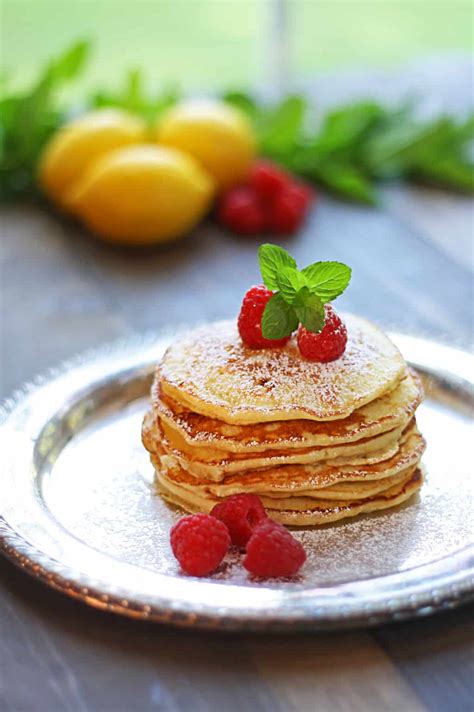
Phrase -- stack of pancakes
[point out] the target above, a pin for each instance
(317, 442)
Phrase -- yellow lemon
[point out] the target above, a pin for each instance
(75, 147)
(143, 194)
(217, 135)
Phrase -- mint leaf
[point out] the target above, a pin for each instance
(309, 310)
(327, 279)
(346, 180)
(279, 319)
(289, 281)
(243, 101)
(69, 64)
(346, 127)
(281, 126)
(271, 259)
(451, 172)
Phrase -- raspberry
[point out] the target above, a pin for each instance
(273, 551)
(303, 193)
(240, 210)
(286, 211)
(267, 179)
(199, 542)
(329, 344)
(250, 319)
(240, 513)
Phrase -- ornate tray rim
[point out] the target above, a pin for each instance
(416, 592)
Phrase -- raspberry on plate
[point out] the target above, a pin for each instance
(241, 513)
(199, 542)
(272, 551)
(329, 344)
(267, 179)
(250, 319)
(241, 211)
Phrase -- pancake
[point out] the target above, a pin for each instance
(210, 371)
(392, 410)
(365, 451)
(315, 500)
(302, 480)
(322, 512)
(350, 492)
(317, 442)
(344, 491)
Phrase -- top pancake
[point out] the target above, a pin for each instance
(211, 371)
(394, 409)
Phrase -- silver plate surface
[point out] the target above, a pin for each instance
(78, 508)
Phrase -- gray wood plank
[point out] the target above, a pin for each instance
(50, 305)
(446, 219)
(436, 658)
(343, 672)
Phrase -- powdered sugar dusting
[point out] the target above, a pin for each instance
(211, 368)
(385, 413)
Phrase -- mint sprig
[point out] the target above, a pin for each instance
(299, 296)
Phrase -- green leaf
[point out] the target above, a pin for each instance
(464, 132)
(289, 282)
(406, 146)
(69, 64)
(309, 310)
(279, 319)
(281, 126)
(345, 127)
(271, 259)
(347, 182)
(243, 101)
(450, 172)
(327, 279)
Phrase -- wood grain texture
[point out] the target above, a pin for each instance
(62, 292)
(436, 658)
(325, 674)
(430, 212)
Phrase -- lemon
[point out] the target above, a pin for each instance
(78, 144)
(217, 135)
(143, 194)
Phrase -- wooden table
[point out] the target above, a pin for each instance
(61, 293)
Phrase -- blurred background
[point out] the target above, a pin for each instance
(217, 43)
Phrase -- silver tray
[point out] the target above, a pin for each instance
(79, 512)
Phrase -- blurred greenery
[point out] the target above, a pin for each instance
(28, 119)
(347, 151)
(363, 142)
(146, 54)
(220, 43)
